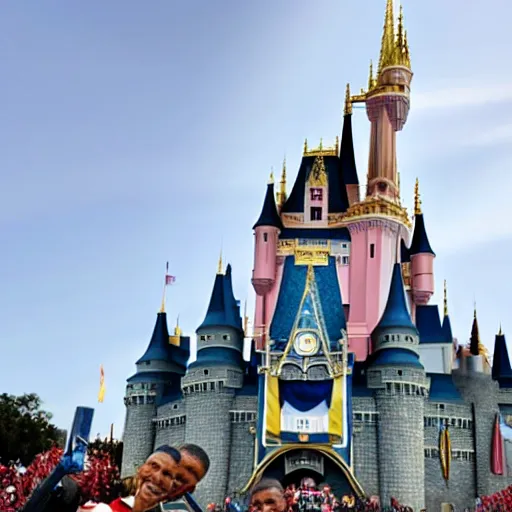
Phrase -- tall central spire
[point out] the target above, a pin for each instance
(387, 49)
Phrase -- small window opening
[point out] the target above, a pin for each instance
(206, 372)
(372, 250)
(316, 194)
(265, 237)
(400, 373)
(316, 213)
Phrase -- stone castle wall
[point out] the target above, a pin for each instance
(365, 450)
(138, 437)
(209, 426)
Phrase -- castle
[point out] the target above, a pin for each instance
(354, 378)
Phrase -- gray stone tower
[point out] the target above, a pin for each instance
(210, 384)
(158, 375)
(401, 389)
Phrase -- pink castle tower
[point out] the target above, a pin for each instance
(378, 223)
(266, 234)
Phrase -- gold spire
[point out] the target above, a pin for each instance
(246, 320)
(162, 306)
(348, 102)
(305, 146)
(337, 145)
(177, 329)
(321, 145)
(500, 333)
(281, 195)
(387, 49)
(394, 49)
(417, 200)
(371, 78)
(271, 179)
(219, 268)
(445, 300)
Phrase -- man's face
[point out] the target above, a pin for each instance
(268, 500)
(157, 479)
(191, 472)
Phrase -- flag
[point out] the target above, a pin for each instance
(101, 393)
(169, 279)
(497, 459)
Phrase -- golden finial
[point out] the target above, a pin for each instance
(246, 319)
(371, 80)
(177, 329)
(271, 179)
(417, 200)
(337, 145)
(162, 306)
(281, 195)
(445, 300)
(500, 333)
(305, 146)
(321, 145)
(219, 268)
(348, 102)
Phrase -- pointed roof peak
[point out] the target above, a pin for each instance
(500, 332)
(269, 215)
(158, 346)
(271, 178)
(223, 308)
(501, 368)
(417, 199)
(396, 312)
(348, 102)
(219, 265)
(445, 299)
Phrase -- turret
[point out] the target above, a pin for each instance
(387, 106)
(211, 381)
(266, 233)
(422, 256)
(501, 369)
(347, 157)
(401, 388)
(158, 375)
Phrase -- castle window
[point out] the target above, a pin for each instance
(344, 260)
(202, 337)
(206, 372)
(316, 194)
(265, 237)
(399, 372)
(226, 337)
(175, 406)
(316, 213)
(372, 250)
(210, 337)
(344, 246)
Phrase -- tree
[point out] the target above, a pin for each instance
(25, 429)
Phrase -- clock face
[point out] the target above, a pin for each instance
(306, 344)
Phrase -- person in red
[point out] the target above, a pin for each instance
(165, 476)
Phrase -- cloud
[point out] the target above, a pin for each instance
(473, 96)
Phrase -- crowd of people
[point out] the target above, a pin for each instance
(169, 475)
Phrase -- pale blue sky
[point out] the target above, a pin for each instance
(135, 132)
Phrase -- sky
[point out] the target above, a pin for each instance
(134, 133)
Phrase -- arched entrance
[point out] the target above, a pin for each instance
(294, 461)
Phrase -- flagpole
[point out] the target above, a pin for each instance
(162, 307)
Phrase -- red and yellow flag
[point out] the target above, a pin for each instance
(101, 393)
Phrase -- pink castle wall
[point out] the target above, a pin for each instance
(422, 275)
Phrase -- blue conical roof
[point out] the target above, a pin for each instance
(269, 215)
(447, 328)
(501, 369)
(420, 243)
(347, 157)
(158, 346)
(396, 313)
(223, 310)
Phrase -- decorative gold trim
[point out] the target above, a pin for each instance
(380, 207)
(324, 450)
(320, 150)
(318, 175)
(417, 200)
(348, 102)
